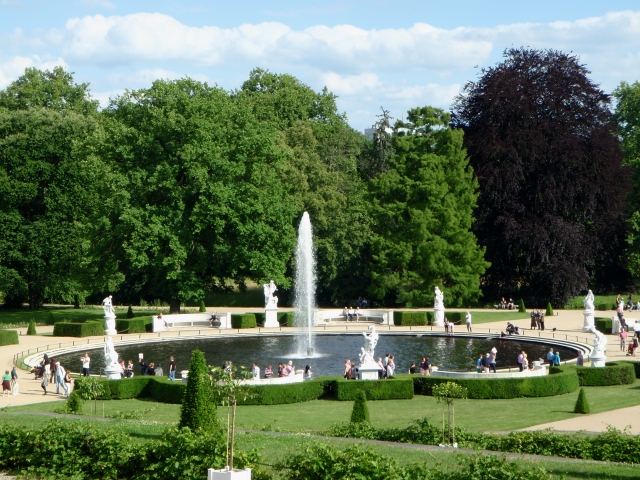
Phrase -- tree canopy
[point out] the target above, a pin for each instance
(552, 185)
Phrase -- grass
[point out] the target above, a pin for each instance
(576, 303)
(497, 316)
(22, 316)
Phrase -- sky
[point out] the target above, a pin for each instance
(371, 54)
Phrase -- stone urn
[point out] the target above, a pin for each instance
(228, 474)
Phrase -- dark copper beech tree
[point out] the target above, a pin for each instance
(552, 186)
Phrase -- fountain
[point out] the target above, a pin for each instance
(305, 286)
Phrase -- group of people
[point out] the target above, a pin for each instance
(634, 341)
(423, 369)
(150, 369)
(511, 330)
(10, 382)
(504, 305)
(487, 362)
(284, 370)
(537, 319)
(350, 314)
(51, 371)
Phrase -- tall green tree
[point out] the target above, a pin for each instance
(552, 186)
(422, 210)
(206, 204)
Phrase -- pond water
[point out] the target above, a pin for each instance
(448, 353)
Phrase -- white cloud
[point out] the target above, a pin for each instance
(12, 68)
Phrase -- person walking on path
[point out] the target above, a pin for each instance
(60, 374)
(467, 319)
(14, 381)
(44, 383)
(623, 340)
(86, 361)
(172, 369)
(492, 360)
(520, 360)
(479, 364)
(6, 383)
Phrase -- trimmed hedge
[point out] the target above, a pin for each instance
(286, 319)
(559, 382)
(410, 318)
(285, 393)
(603, 324)
(613, 373)
(636, 366)
(90, 328)
(133, 325)
(390, 389)
(455, 317)
(243, 320)
(9, 337)
(261, 317)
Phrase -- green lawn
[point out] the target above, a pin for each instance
(23, 316)
(497, 316)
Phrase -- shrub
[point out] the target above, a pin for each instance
(9, 337)
(612, 373)
(163, 390)
(521, 307)
(203, 308)
(636, 366)
(87, 329)
(603, 324)
(360, 412)
(260, 318)
(286, 319)
(560, 382)
(198, 411)
(391, 389)
(31, 329)
(243, 320)
(51, 320)
(130, 312)
(549, 311)
(134, 325)
(581, 404)
(285, 393)
(74, 403)
(410, 318)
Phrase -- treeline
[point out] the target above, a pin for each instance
(183, 188)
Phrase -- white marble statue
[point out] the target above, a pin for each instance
(370, 342)
(110, 354)
(438, 300)
(588, 301)
(108, 307)
(269, 300)
(599, 343)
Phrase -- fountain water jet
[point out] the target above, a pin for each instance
(305, 286)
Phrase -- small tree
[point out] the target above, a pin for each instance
(445, 393)
(89, 388)
(582, 406)
(74, 403)
(203, 308)
(130, 312)
(549, 311)
(198, 410)
(228, 385)
(51, 319)
(31, 329)
(521, 307)
(360, 412)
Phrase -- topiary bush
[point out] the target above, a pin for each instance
(521, 307)
(133, 325)
(203, 308)
(90, 328)
(360, 412)
(31, 329)
(613, 373)
(74, 403)
(243, 320)
(9, 337)
(549, 311)
(130, 312)
(410, 318)
(603, 324)
(286, 319)
(198, 410)
(581, 404)
(260, 318)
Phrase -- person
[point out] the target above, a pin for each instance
(345, 313)
(446, 325)
(268, 372)
(351, 314)
(151, 369)
(347, 369)
(214, 319)
(391, 367)
(307, 372)
(255, 372)
(503, 303)
(427, 367)
(6, 383)
(413, 369)
(280, 370)
(14, 381)
(485, 363)
(44, 383)
(630, 301)
(556, 359)
(492, 361)
(422, 365)
(479, 364)
(510, 328)
(129, 373)
(541, 323)
(86, 361)
(172, 369)
(636, 328)
(381, 368)
(53, 365)
(525, 362)
(580, 360)
(357, 313)
(638, 306)
(143, 367)
(164, 322)
(623, 340)
(123, 369)
(68, 381)
(550, 356)
(364, 302)
(467, 319)
(534, 319)
(60, 374)
(511, 305)
(634, 342)
(520, 361)
(618, 299)
(451, 327)
(619, 310)
(385, 361)
(290, 369)
(159, 372)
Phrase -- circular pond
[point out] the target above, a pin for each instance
(448, 353)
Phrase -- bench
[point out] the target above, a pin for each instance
(384, 317)
(190, 320)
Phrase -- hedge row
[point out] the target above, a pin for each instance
(603, 324)
(613, 373)
(89, 328)
(243, 320)
(131, 325)
(286, 393)
(9, 337)
(414, 318)
(261, 317)
(558, 383)
(286, 319)
(391, 389)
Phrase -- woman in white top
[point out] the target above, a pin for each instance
(391, 367)
(357, 313)
(468, 320)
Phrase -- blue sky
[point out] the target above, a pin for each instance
(399, 54)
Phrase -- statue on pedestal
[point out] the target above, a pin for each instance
(438, 300)
(107, 306)
(370, 342)
(599, 343)
(112, 368)
(588, 312)
(588, 301)
(269, 300)
(109, 316)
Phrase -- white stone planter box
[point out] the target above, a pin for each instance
(227, 474)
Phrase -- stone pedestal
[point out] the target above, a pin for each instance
(113, 372)
(110, 325)
(598, 359)
(438, 317)
(368, 371)
(271, 317)
(615, 325)
(228, 474)
(588, 320)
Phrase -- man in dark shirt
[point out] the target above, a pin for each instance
(143, 367)
(413, 370)
(172, 369)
